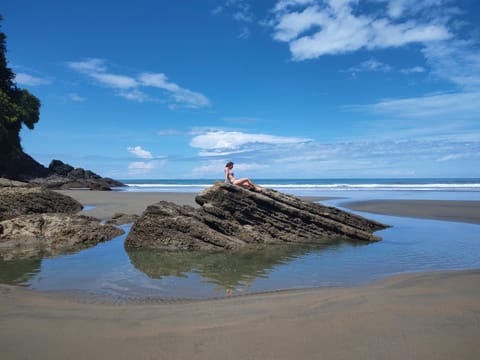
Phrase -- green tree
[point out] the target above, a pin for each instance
(17, 107)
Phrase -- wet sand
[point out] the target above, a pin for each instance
(108, 203)
(414, 316)
(447, 210)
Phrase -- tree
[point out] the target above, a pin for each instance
(17, 107)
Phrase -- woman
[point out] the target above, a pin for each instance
(230, 178)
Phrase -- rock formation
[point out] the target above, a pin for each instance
(50, 234)
(39, 222)
(232, 217)
(16, 201)
(64, 176)
(122, 219)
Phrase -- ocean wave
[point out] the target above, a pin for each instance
(326, 187)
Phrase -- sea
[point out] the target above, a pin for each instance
(109, 271)
(428, 187)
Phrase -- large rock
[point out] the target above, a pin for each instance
(65, 176)
(232, 217)
(16, 201)
(51, 234)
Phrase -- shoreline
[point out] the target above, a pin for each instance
(107, 203)
(414, 316)
(445, 210)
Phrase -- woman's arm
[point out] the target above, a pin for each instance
(228, 176)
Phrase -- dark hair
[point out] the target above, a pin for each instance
(230, 163)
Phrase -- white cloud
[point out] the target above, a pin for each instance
(460, 156)
(461, 105)
(413, 70)
(336, 27)
(88, 66)
(141, 153)
(370, 65)
(133, 88)
(30, 80)
(353, 158)
(115, 81)
(230, 142)
(457, 61)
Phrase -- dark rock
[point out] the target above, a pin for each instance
(121, 219)
(16, 165)
(15, 201)
(12, 183)
(64, 176)
(51, 234)
(60, 168)
(232, 217)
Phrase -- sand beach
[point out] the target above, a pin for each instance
(433, 315)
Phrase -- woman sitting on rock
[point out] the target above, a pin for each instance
(230, 178)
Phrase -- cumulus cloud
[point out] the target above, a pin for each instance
(134, 87)
(141, 153)
(327, 27)
(231, 142)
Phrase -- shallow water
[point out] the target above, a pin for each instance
(409, 245)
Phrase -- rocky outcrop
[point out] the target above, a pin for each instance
(16, 165)
(64, 176)
(38, 222)
(232, 217)
(16, 201)
(51, 234)
(122, 219)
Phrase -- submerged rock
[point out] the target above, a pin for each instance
(37, 235)
(15, 201)
(233, 217)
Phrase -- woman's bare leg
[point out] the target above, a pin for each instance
(247, 182)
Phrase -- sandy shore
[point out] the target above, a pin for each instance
(415, 316)
(108, 203)
(448, 210)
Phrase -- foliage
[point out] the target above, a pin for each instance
(17, 106)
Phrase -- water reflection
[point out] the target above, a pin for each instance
(18, 272)
(226, 269)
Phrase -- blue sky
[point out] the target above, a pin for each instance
(285, 89)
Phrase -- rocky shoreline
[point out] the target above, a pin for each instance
(35, 221)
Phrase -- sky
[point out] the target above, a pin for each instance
(284, 88)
